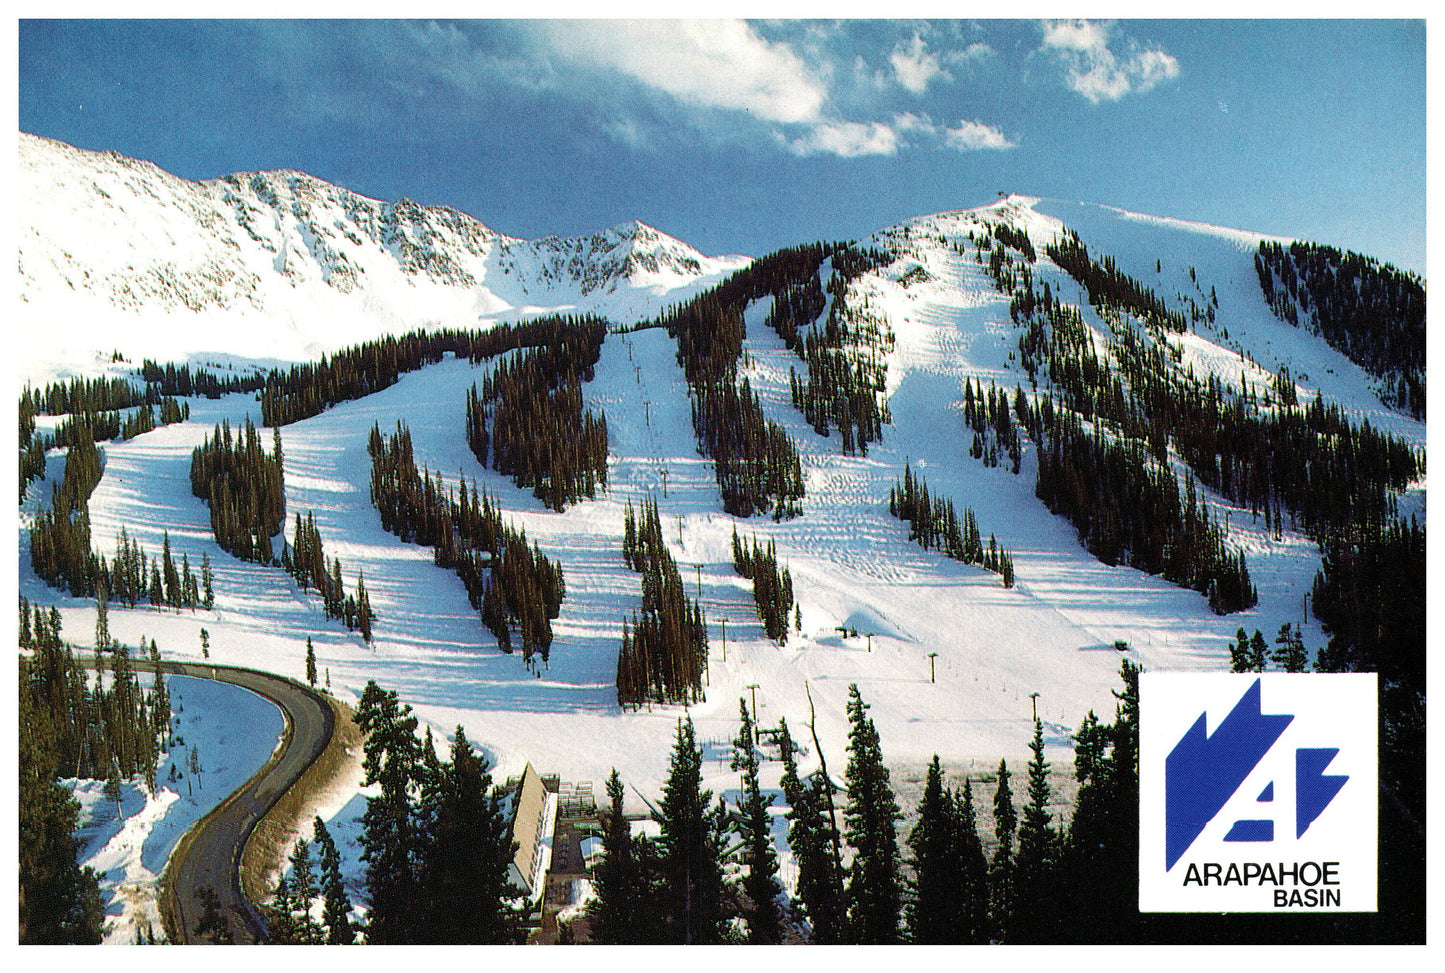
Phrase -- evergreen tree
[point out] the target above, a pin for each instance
(692, 878)
(390, 839)
(1005, 822)
(625, 907)
(936, 842)
(874, 884)
(1033, 874)
(761, 883)
(1291, 656)
(467, 853)
(336, 912)
(59, 900)
(813, 838)
(973, 871)
(310, 663)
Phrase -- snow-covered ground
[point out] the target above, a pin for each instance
(853, 567)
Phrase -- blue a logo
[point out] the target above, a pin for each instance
(1257, 792)
(1204, 771)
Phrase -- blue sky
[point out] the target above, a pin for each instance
(746, 136)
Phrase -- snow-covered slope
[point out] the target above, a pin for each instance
(115, 253)
(853, 565)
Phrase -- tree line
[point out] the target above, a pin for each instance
(855, 882)
(304, 558)
(308, 389)
(173, 379)
(244, 488)
(935, 525)
(663, 656)
(88, 423)
(1128, 509)
(540, 434)
(1258, 447)
(516, 588)
(1370, 596)
(772, 586)
(61, 553)
(1371, 312)
(1109, 286)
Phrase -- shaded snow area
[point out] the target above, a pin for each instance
(231, 732)
(853, 567)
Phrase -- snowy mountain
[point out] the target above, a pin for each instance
(115, 253)
(284, 265)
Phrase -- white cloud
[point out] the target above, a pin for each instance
(914, 66)
(1095, 71)
(846, 139)
(712, 64)
(975, 136)
(977, 51)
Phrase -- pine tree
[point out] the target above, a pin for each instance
(812, 838)
(467, 853)
(208, 594)
(303, 890)
(934, 908)
(390, 840)
(1099, 865)
(336, 912)
(1291, 655)
(973, 871)
(874, 883)
(692, 879)
(761, 882)
(1033, 874)
(1005, 822)
(310, 663)
(624, 906)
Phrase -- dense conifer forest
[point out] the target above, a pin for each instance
(515, 587)
(244, 488)
(1371, 312)
(529, 419)
(94, 411)
(307, 390)
(107, 727)
(1107, 426)
(757, 465)
(663, 657)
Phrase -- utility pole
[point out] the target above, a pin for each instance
(870, 641)
(664, 496)
(1034, 702)
(931, 657)
(637, 373)
(724, 623)
(752, 688)
(647, 412)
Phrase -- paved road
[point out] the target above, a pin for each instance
(210, 853)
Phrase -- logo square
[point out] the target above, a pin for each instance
(1258, 792)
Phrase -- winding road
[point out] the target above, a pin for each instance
(209, 856)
